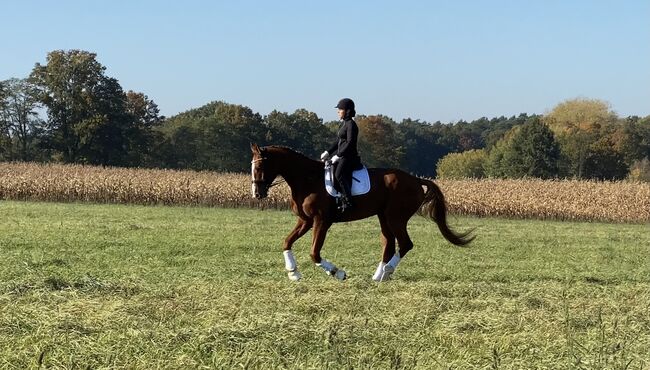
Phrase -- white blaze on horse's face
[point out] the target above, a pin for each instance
(253, 184)
(259, 188)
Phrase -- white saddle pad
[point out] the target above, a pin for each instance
(360, 181)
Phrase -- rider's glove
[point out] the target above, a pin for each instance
(324, 156)
(335, 158)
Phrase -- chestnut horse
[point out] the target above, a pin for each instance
(394, 197)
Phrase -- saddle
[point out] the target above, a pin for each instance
(360, 181)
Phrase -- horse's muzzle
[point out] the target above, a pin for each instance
(260, 192)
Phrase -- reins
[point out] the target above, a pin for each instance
(277, 182)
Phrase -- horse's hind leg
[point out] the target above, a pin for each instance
(398, 227)
(388, 244)
(302, 226)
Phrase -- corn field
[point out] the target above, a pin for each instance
(559, 200)
(550, 199)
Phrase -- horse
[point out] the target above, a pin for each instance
(394, 197)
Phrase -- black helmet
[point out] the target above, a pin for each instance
(345, 104)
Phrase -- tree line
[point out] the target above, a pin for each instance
(68, 110)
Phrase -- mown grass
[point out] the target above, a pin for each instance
(115, 286)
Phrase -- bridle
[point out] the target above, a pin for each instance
(263, 181)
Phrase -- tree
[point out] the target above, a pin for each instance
(5, 138)
(496, 128)
(497, 164)
(236, 127)
(216, 136)
(603, 162)
(21, 124)
(627, 139)
(104, 134)
(530, 151)
(301, 130)
(579, 114)
(640, 170)
(641, 129)
(578, 124)
(87, 118)
(469, 135)
(380, 143)
(3, 95)
(468, 164)
(421, 148)
(179, 147)
(143, 135)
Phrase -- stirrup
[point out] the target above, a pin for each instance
(345, 204)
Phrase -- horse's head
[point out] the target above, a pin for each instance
(263, 172)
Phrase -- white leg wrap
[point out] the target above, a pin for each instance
(379, 272)
(390, 267)
(326, 265)
(291, 266)
(294, 275)
(394, 261)
(289, 261)
(332, 270)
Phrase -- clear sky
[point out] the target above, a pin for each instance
(428, 60)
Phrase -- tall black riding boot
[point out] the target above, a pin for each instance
(346, 196)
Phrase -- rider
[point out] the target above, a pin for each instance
(345, 155)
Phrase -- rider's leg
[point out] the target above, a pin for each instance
(343, 174)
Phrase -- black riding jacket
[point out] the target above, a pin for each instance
(346, 145)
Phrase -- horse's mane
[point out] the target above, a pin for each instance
(284, 149)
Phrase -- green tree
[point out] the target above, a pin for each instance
(87, 118)
(301, 130)
(380, 142)
(603, 162)
(496, 128)
(21, 125)
(529, 150)
(5, 138)
(469, 135)
(179, 147)
(642, 128)
(467, 164)
(142, 134)
(495, 165)
(103, 136)
(421, 148)
(236, 126)
(216, 136)
(627, 140)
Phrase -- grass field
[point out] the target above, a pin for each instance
(115, 286)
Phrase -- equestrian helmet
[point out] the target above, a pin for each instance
(345, 104)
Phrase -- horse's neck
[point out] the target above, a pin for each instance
(296, 169)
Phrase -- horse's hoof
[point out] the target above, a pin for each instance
(294, 275)
(388, 272)
(341, 275)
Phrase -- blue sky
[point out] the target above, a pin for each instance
(428, 60)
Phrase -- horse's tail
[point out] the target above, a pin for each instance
(435, 208)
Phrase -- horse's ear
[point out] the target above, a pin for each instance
(255, 149)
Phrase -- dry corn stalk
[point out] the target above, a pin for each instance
(559, 199)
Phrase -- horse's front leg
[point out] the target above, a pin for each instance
(320, 231)
(302, 226)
